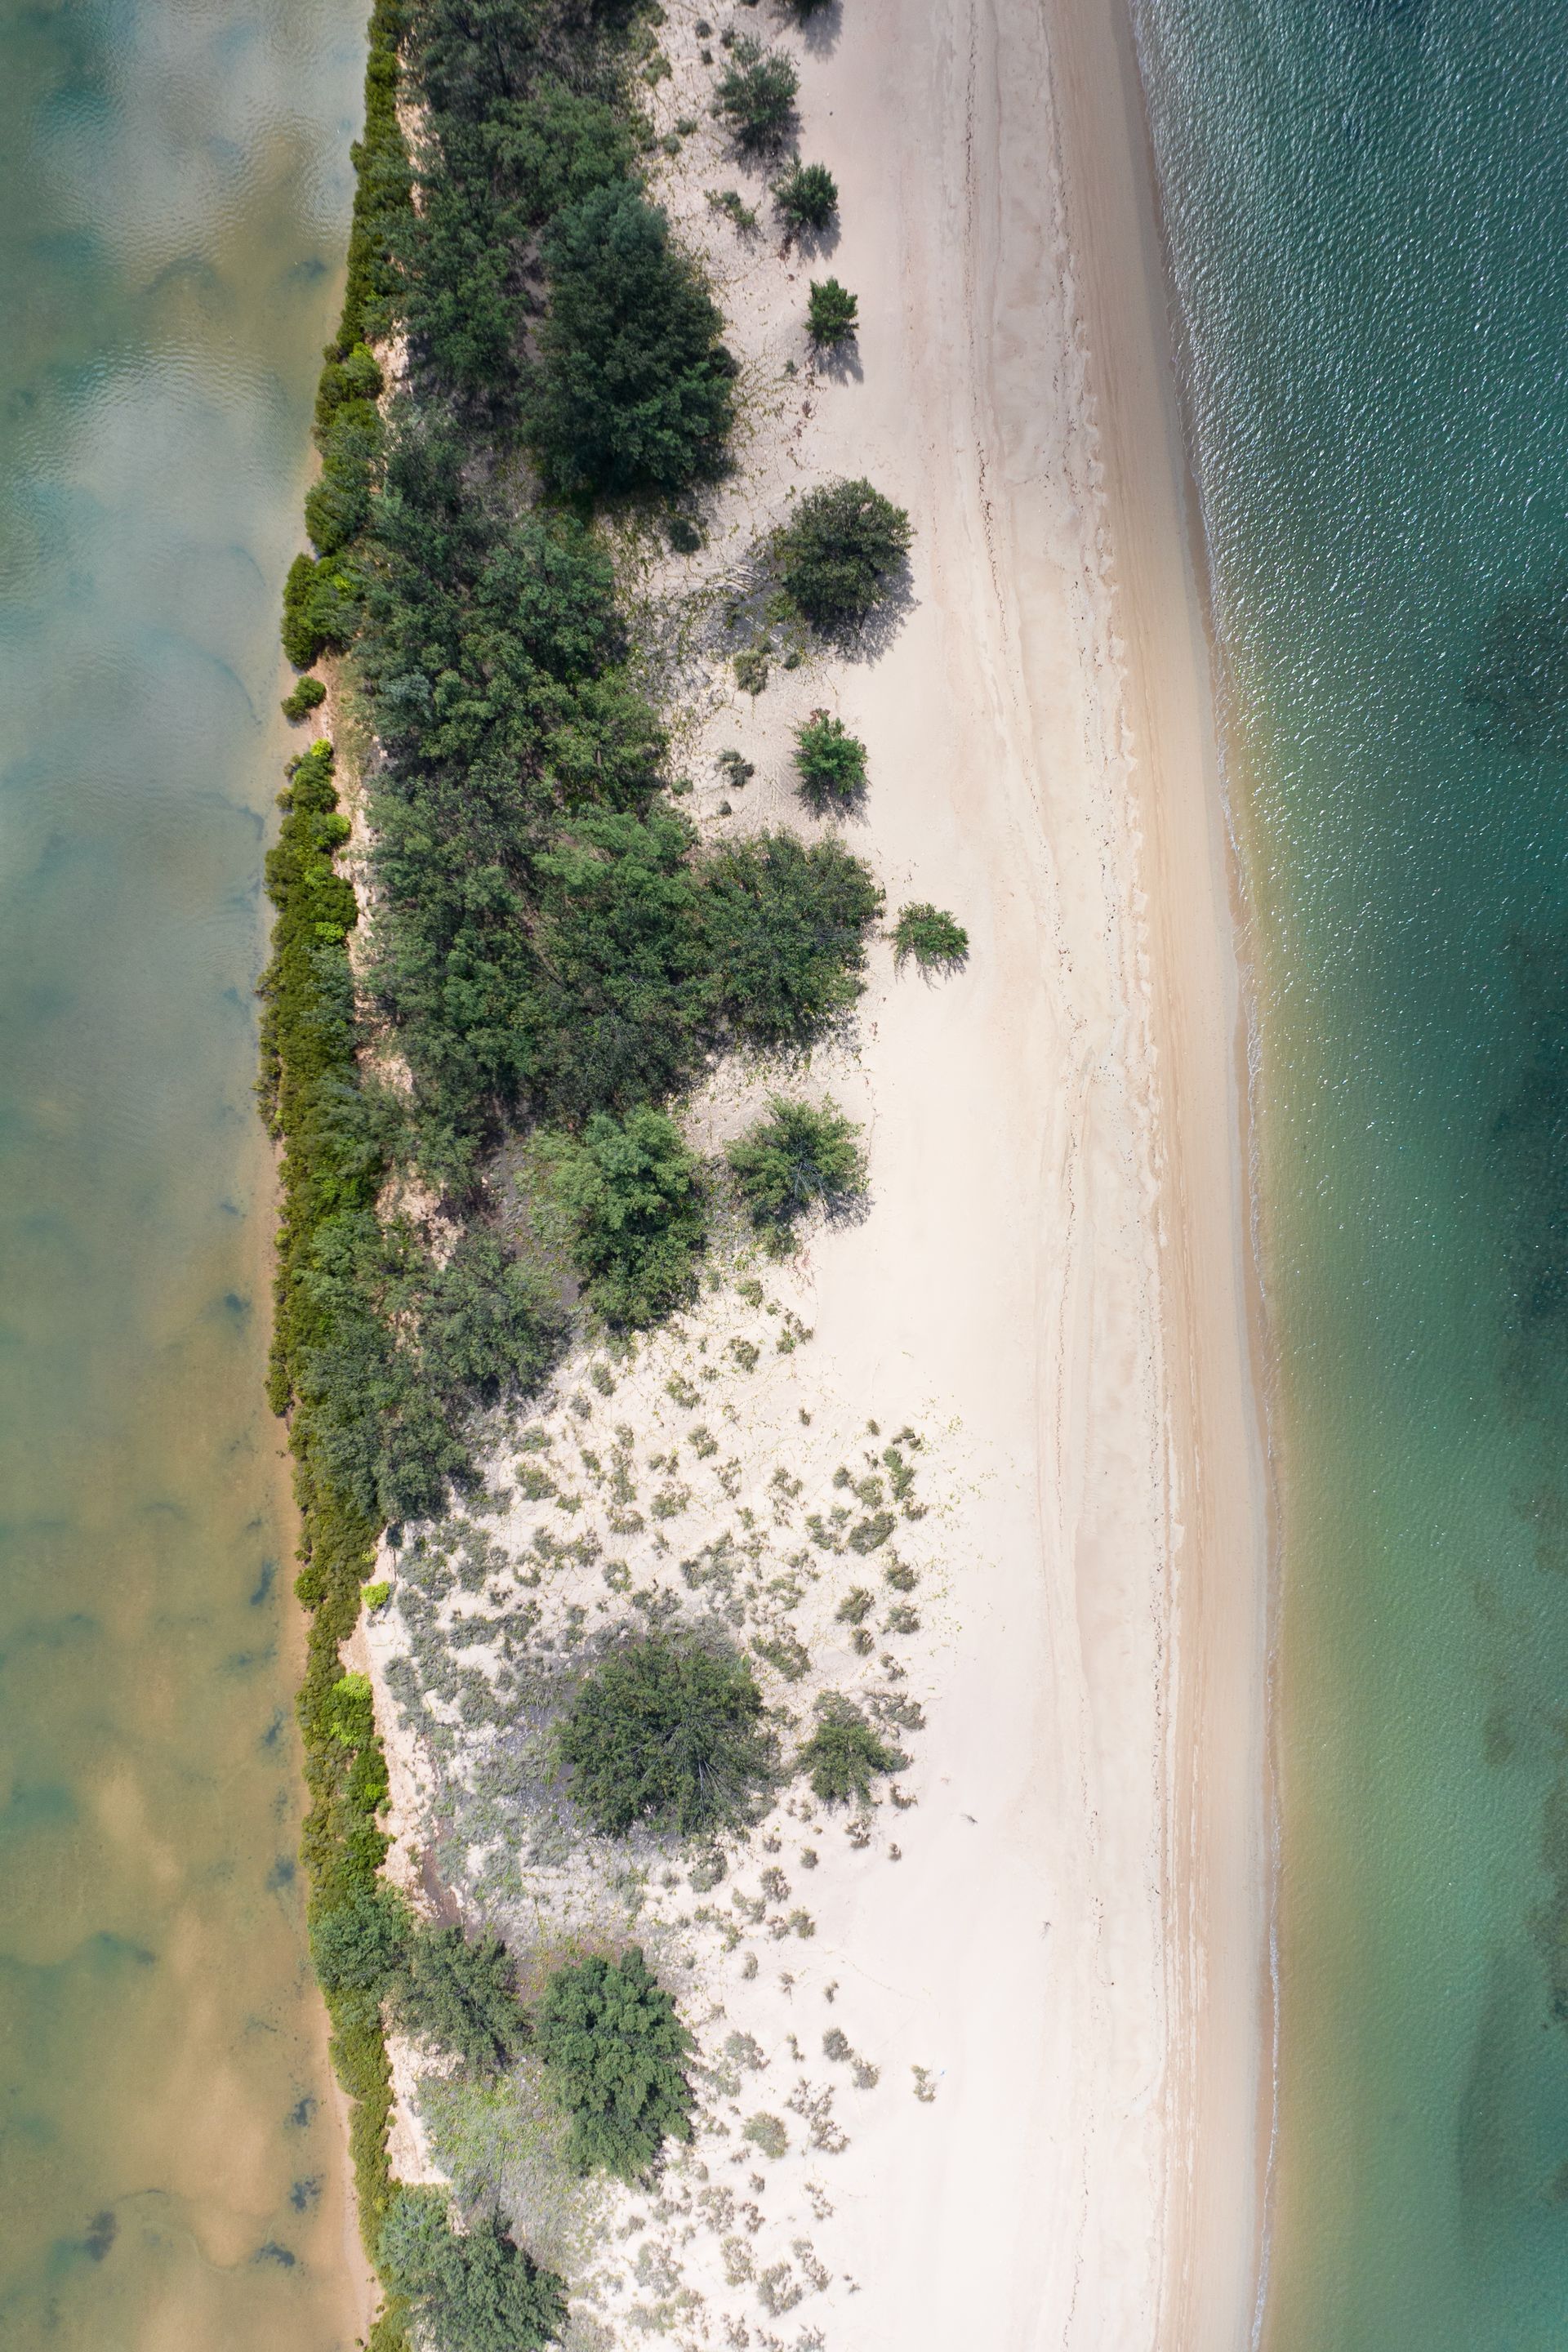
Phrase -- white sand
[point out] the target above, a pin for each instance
(1054, 1263)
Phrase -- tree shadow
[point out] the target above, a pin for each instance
(819, 24)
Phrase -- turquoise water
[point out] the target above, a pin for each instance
(174, 195)
(1367, 204)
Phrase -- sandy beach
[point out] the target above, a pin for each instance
(1053, 1281)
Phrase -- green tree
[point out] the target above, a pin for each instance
(785, 928)
(831, 313)
(669, 1735)
(831, 761)
(632, 1193)
(361, 1945)
(475, 2290)
(795, 1161)
(806, 196)
(634, 388)
(838, 555)
(614, 2049)
(320, 608)
(934, 940)
(844, 1754)
(757, 94)
(461, 1997)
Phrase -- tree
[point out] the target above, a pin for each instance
(806, 196)
(831, 313)
(361, 1947)
(614, 2048)
(462, 1997)
(669, 1735)
(785, 928)
(832, 762)
(320, 608)
(634, 388)
(795, 1159)
(632, 1192)
(836, 558)
(475, 2290)
(844, 1754)
(757, 94)
(934, 940)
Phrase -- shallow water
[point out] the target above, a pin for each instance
(174, 197)
(1367, 202)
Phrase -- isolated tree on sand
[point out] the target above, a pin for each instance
(668, 1735)
(831, 313)
(614, 2050)
(837, 556)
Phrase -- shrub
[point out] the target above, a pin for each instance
(684, 535)
(836, 557)
(632, 1190)
(614, 2048)
(931, 937)
(795, 1159)
(767, 2133)
(669, 1735)
(757, 94)
(462, 1997)
(785, 928)
(806, 196)
(831, 313)
(635, 389)
(361, 1947)
(308, 696)
(844, 1754)
(832, 762)
(476, 2291)
(752, 666)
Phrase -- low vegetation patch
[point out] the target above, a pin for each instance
(615, 2052)
(668, 1735)
(932, 937)
(844, 1755)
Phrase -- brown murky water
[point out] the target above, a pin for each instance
(174, 197)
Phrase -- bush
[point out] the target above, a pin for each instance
(475, 2290)
(668, 1735)
(308, 696)
(785, 928)
(931, 937)
(795, 1159)
(614, 2048)
(834, 559)
(808, 195)
(632, 1192)
(831, 313)
(844, 1754)
(832, 762)
(757, 94)
(752, 663)
(635, 389)
(767, 2133)
(361, 1947)
(461, 1997)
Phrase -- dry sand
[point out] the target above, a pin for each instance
(1054, 1275)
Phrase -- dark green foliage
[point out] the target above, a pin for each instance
(461, 1997)
(808, 195)
(308, 696)
(353, 380)
(320, 608)
(831, 761)
(831, 313)
(844, 1754)
(632, 1193)
(666, 1735)
(474, 2291)
(361, 1945)
(337, 508)
(934, 940)
(382, 186)
(614, 2048)
(1519, 685)
(785, 928)
(838, 555)
(634, 388)
(756, 94)
(796, 1159)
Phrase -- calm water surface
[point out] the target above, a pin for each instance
(174, 194)
(1368, 207)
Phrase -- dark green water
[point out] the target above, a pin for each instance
(174, 194)
(1368, 207)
